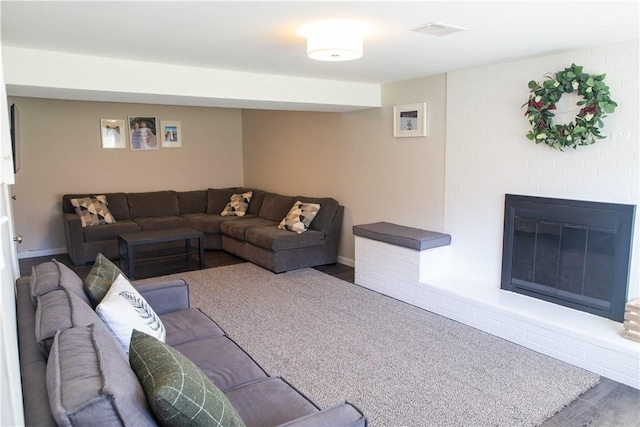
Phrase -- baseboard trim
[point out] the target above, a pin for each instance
(346, 261)
(41, 252)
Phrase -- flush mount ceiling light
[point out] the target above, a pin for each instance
(334, 41)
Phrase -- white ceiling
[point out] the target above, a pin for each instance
(261, 36)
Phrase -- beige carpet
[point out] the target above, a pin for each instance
(403, 366)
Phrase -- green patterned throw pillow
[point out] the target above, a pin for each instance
(100, 278)
(299, 217)
(178, 392)
(93, 210)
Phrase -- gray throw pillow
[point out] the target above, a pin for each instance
(53, 275)
(178, 392)
(90, 383)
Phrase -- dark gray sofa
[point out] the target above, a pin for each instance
(259, 399)
(254, 236)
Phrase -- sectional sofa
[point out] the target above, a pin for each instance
(76, 372)
(255, 236)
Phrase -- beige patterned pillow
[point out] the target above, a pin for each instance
(93, 210)
(299, 217)
(238, 205)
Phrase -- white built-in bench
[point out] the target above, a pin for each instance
(414, 266)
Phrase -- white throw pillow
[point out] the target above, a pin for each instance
(123, 309)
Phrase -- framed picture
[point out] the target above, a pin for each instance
(114, 133)
(410, 120)
(143, 133)
(170, 134)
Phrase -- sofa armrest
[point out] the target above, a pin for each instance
(345, 414)
(166, 296)
(74, 237)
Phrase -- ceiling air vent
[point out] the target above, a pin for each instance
(438, 29)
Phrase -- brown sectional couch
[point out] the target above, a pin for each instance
(254, 236)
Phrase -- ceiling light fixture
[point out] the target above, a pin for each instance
(334, 41)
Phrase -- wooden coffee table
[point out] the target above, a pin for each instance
(128, 241)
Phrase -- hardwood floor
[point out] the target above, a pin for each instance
(609, 404)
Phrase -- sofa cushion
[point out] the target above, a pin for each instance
(276, 206)
(238, 205)
(153, 204)
(209, 223)
(299, 217)
(269, 402)
(325, 216)
(222, 361)
(256, 199)
(49, 276)
(99, 280)
(161, 222)
(190, 324)
(60, 310)
(93, 210)
(237, 229)
(274, 239)
(190, 202)
(178, 392)
(217, 199)
(90, 382)
(123, 309)
(109, 231)
(118, 204)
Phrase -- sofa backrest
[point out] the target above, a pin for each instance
(153, 204)
(326, 214)
(118, 204)
(276, 206)
(217, 199)
(191, 202)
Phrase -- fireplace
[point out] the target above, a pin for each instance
(569, 252)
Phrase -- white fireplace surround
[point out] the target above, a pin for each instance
(425, 279)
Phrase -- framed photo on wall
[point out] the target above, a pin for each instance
(171, 134)
(114, 133)
(143, 133)
(410, 120)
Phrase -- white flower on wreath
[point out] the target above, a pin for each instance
(589, 89)
(541, 136)
(575, 84)
(569, 138)
(556, 83)
(588, 117)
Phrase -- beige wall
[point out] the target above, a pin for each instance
(61, 152)
(354, 158)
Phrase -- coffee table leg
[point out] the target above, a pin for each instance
(130, 258)
(201, 252)
(187, 243)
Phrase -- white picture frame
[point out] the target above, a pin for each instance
(170, 133)
(113, 134)
(410, 120)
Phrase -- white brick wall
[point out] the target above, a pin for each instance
(581, 339)
(488, 155)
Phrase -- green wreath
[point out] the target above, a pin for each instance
(585, 129)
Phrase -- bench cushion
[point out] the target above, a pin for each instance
(399, 235)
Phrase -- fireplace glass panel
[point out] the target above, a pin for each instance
(568, 252)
